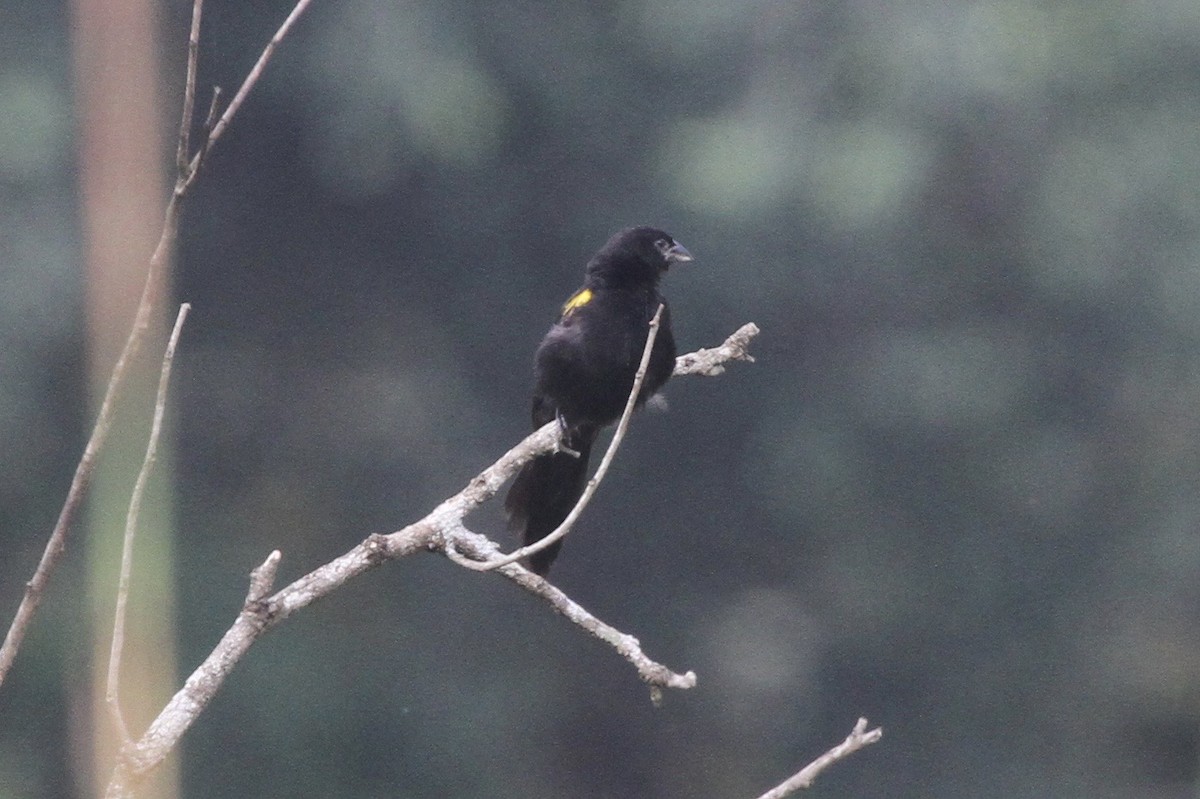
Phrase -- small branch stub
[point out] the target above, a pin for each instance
(711, 362)
(262, 579)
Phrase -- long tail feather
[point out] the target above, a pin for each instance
(545, 491)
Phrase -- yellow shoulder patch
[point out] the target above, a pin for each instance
(578, 300)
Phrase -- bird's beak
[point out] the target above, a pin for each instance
(677, 254)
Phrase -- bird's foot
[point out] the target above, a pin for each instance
(564, 434)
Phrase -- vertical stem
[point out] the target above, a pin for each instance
(113, 689)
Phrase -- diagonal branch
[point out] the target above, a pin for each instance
(654, 674)
(215, 131)
(711, 362)
(56, 545)
(441, 530)
(859, 737)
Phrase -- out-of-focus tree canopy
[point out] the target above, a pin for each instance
(959, 493)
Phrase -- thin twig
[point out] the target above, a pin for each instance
(56, 545)
(183, 151)
(859, 737)
(251, 79)
(210, 118)
(654, 674)
(590, 489)
(113, 687)
(206, 127)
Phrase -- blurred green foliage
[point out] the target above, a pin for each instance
(956, 494)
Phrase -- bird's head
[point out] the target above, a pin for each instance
(637, 255)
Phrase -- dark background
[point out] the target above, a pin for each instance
(957, 493)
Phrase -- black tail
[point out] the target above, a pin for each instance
(545, 491)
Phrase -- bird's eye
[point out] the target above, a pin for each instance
(662, 245)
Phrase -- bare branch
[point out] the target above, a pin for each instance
(112, 691)
(251, 79)
(859, 737)
(594, 483)
(654, 674)
(56, 544)
(183, 150)
(440, 530)
(711, 362)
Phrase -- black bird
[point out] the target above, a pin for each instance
(584, 370)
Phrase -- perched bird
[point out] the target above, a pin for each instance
(584, 370)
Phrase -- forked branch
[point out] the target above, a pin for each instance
(442, 530)
(188, 168)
